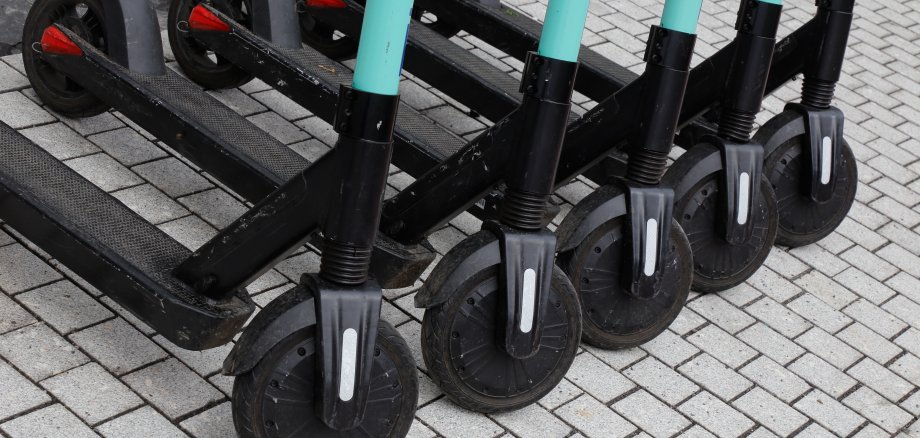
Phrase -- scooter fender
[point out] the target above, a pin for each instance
(466, 259)
(778, 130)
(291, 312)
(598, 208)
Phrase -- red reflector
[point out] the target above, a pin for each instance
(203, 19)
(54, 41)
(338, 4)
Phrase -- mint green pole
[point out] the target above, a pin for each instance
(383, 41)
(562, 29)
(775, 2)
(681, 15)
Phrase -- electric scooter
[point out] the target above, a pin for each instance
(317, 360)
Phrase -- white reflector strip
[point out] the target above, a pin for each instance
(527, 300)
(826, 160)
(651, 247)
(744, 197)
(349, 361)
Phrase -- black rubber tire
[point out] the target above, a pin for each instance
(438, 333)
(701, 232)
(58, 92)
(604, 329)
(801, 220)
(193, 58)
(249, 390)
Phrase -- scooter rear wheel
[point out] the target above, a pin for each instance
(460, 349)
(613, 318)
(55, 89)
(198, 63)
(717, 264)
(275, 399)
(801, 220)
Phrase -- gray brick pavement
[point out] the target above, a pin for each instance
(822, 341)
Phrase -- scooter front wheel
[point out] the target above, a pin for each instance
(717, 264)
(55, 89)
(276, 398)
(803, 221)
(614, 318)
(198, 63)
(460, 348)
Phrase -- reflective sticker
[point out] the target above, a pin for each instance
(744, 197)
(528, 300)
(826, 160)
(349, 362)
(651, 247)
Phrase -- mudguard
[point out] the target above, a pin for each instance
(601, 206)
(480, 251)
(778, 130)
(291, 312)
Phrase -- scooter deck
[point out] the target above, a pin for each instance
(98, 237)
(515, 33)
(247, 159)
(313, 81)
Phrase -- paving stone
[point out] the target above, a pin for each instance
(670, 348)
(533, 421)
(18, 394)
(95, 124)
(281, 104)
(453, 119)
(51, 422)
(127, 146)
(294, 267)
(822, 374)
(820, 313)
(774, 285)
(661, 380)
(22, 270)
(92, 393)
(715, 377)
(172, 177)
(815, 430)
(820, 259)
(598, 379)
(204, 362)
(150, 203)
(60, 141)
(563, 393)
(778, 317)
(829, 348)
(716, 416)
(741, 294)
(770, 411)
(594, 419)
(877, 319)
(722, 346)
(277, 127)
(864, 285)
(771, 343)
(450, 421)
(868, 342)
(829, 413)
(785, 264)
(910, 341)
(39, 352)
(172, 388)
(650, 414)
(128, 316)
(144, 422)
(880, 379)
(826, 290)
(17, 111)
(214, 206)
(64, 306)
(104, 172)
(12, 315)
(238, 101)
(870, 263)
(907, 366)
(190, 231)
(721, 313)
(216, 422)
(686, 322)
(878, 410)
(118, 346)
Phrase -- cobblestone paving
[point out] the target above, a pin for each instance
(823, 340)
